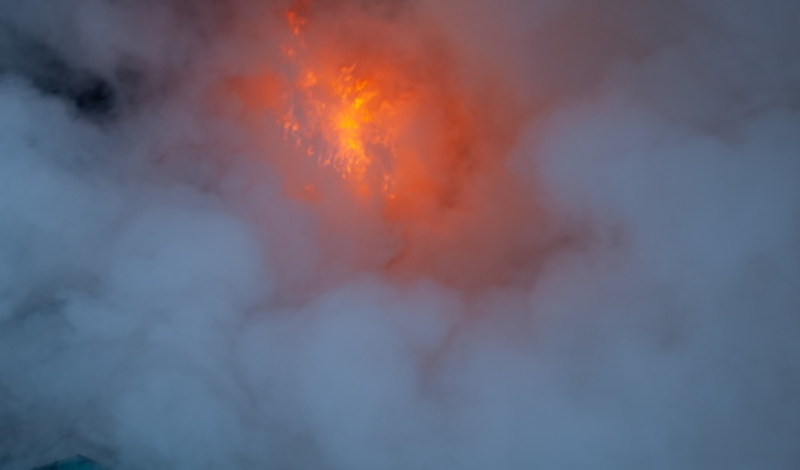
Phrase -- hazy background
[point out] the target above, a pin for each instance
(612, 282)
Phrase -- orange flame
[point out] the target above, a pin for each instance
(342, 117)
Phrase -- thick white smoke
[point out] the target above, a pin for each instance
(615, 285)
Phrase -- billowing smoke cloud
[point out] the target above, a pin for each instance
(601, 269)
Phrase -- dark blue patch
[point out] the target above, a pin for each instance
(78, 462)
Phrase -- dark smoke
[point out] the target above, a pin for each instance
(607, 274)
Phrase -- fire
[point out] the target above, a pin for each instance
(378, 127)
(365, 107)
(342, 116)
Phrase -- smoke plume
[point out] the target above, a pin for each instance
(584, 256)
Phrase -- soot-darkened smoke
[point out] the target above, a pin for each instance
(588, 256)
(41, 67)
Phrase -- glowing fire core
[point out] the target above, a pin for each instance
(343, 117)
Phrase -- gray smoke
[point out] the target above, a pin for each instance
(610, 278)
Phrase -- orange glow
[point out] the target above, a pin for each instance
(398, 146)
(343, 116)
(377, 109)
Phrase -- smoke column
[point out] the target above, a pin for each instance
(575, 247)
